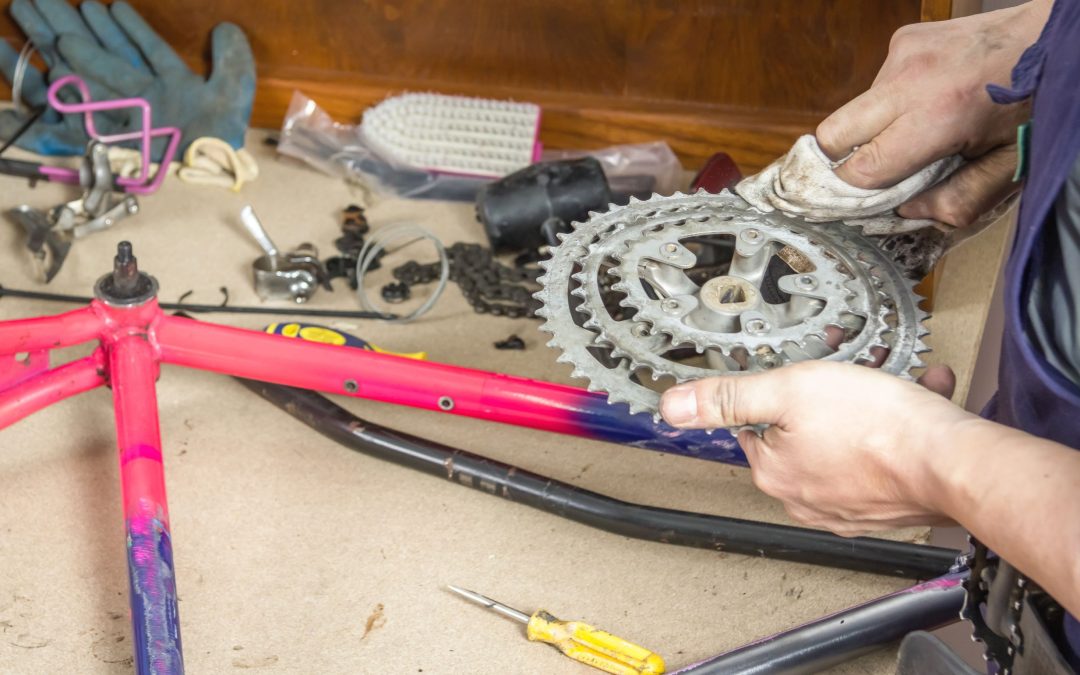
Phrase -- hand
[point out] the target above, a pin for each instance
(929, 101)
(120, 56)
(848, 448)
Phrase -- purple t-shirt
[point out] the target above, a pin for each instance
(1034, 395)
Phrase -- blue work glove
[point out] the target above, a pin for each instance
(120, 56)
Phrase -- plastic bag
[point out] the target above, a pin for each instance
(310, 134)
(638, 170)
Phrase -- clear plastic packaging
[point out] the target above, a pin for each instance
(639, 170)
(310, 134)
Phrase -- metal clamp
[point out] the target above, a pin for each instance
(51, 233)
(294, 275)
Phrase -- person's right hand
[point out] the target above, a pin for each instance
(929, 101)
(847, 448)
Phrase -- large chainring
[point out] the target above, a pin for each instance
(678, 288)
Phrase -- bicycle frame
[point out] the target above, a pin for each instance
(135, 337)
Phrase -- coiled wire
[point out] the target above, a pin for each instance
(19, 74)
(380, 240)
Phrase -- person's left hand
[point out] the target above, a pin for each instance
(848, 448)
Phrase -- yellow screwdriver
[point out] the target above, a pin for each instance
(578, 640)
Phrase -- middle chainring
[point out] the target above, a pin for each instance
(678, 288)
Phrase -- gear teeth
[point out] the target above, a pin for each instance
(871, 289)
(562, 236)
(636, 409)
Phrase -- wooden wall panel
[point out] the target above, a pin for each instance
(742, 75)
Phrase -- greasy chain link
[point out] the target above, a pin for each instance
(489, 286)
(996, 648)
(624, 296)
(1002, 649)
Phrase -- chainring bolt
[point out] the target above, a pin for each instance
(806, 282)
(670, 305)
(757, 326)
(751, 236)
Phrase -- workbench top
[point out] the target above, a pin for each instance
(296, 555)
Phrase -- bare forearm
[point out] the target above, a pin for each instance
(1018, 494)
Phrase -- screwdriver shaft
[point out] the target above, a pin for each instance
(508, 612)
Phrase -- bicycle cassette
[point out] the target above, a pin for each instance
(658, 292)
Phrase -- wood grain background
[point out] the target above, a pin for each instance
(744, 76)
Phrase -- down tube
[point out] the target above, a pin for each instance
(428, 385)
(155, 617)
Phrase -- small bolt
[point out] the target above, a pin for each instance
(768, 361)
(751, 236)
(351, 386)
(806, 282)
(669, 305)
(757, 326)
(671, 250)
(125, 270)
(640, 330)
(446, 403)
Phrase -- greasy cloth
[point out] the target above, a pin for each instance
(803, 183)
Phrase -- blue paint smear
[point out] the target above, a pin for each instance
(155, 616)
(613, 422)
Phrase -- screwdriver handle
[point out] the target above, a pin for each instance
(594, 647)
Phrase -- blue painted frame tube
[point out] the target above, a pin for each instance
(613, 422)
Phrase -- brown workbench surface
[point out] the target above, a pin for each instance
(296, 555)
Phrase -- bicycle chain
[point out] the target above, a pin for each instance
(1001, 649)
(489, 286)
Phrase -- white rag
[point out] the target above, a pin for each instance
(212, 161)
(803, 183)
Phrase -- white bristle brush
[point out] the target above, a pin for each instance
(454, 134)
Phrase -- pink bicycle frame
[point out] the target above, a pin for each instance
(135, 337)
